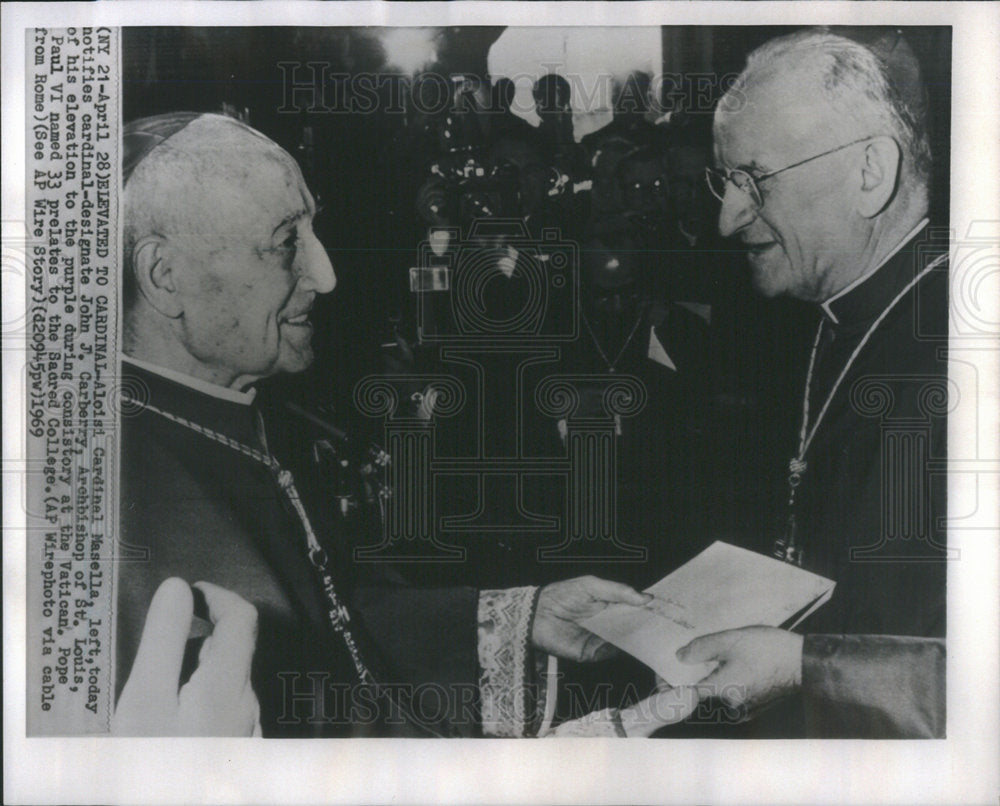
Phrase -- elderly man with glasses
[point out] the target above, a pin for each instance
(822, 167)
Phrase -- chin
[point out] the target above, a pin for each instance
(298, 361)
(766, 285)
(771, 280)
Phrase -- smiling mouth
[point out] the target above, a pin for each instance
(301, 319)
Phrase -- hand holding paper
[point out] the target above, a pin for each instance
(723, 588)
(562, 608)
(756, 664)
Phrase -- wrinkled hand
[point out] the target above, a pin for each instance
(756, 665)
(218, 700)
(562, 605)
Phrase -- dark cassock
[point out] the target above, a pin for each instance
(204, 498)
(869, 511)
(871, 506)
(865, 506)
(874, 686)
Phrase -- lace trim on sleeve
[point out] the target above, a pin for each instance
(606, 723)
(505, 618)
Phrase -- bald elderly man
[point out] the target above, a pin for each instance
(822, 166)
(222, 268)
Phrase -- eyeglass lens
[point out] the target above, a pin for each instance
(741, 179)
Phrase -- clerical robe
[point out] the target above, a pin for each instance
(196, 504)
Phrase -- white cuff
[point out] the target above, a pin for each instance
(606, 723)
(505, 618)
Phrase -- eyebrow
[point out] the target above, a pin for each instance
(290, 219)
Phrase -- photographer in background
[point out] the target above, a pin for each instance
(630, 121)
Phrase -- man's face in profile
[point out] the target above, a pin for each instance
(803, 225)
(251, 265)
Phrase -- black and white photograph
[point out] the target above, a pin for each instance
(410, 377)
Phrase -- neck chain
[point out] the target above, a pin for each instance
(593, 337)
(337, 613)
(786, 547)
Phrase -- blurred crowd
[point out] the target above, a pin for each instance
(633, 190)
(656, 296)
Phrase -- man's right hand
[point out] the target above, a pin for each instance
(218, 700)
(757, 664)
(562, 605)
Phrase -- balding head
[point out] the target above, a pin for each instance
(220, 255)
(863, 95)
(188, 181)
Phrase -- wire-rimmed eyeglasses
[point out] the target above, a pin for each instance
(750, 184)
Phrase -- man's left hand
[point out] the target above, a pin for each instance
(562, 605)
(756, 665)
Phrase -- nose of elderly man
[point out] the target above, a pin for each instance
(736, 212)
(315, 268)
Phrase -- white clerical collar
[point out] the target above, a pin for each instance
(221, 392)
(847, 289)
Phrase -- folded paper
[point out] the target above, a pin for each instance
(723, 588)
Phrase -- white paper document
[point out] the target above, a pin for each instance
(723, 588)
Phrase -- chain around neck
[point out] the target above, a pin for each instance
(806, 434)
(593, 337)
